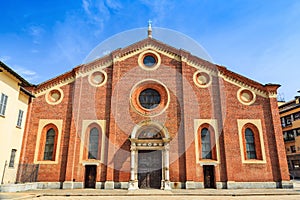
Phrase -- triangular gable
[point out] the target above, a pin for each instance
(178, 54)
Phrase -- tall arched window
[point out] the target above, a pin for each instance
(250, 144)
(49, 145)
(206, 144)
(93, 143)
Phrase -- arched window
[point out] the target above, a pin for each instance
(250, 144)
(49, 149)
(93, 143)
(206, 144)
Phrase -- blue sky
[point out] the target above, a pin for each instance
(255, 38)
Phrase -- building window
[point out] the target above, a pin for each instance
(288, 120)
(282, 122)
(289, 135)
(297, 116)
(298, 132)
(250, 144)
(149, 98)
(206, 144)
(3, 103)
(296, 164)
(20, 117)
(12, 158)
(149, 61)
(49, 145)
(93, 143)
(293, 149)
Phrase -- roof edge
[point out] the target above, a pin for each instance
(15, 74)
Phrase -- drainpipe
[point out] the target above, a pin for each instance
(4, 172)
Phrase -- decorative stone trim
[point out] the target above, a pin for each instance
(85, 125)
(245, 96)
(90, 162)
(149, 53)
(54, 96)
(243, 85)
(97, 78)
(257, 123)
(151, 84)
(153, 46)
(214, 124)
(202, 79)
(43, 123)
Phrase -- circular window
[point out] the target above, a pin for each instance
(149, 98)
(149, 61)
(54, 96)
(202, 79)
(98, 78)
(246, 96)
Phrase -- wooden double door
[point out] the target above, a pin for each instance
(150, 169)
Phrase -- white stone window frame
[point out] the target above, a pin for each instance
(85, 125)
(196, 81)
(214, 124)
(90, 76)
(143, 55)
(42, 123)
(59, 100)
(242, 101)
(257, 123)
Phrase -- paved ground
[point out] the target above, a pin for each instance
(206, 194)
(281, 197)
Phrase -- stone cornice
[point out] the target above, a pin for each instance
(177, 54)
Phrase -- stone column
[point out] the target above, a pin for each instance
(133, 183)
(166, 164)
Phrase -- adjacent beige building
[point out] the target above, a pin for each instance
(14, 101)
(290, 121)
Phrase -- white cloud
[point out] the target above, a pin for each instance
(35, 30)
(113, 4)
(99, 11)
(86, 5)
(159, 9)
(29, 75)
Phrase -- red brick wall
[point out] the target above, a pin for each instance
(187, 102)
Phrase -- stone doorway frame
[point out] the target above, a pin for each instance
(149, 144)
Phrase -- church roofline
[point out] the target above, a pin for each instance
(150, 42)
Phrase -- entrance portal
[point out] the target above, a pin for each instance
(90, 176)
(209, 176)
(150, 169)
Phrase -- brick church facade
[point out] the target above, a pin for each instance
(153, 116)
